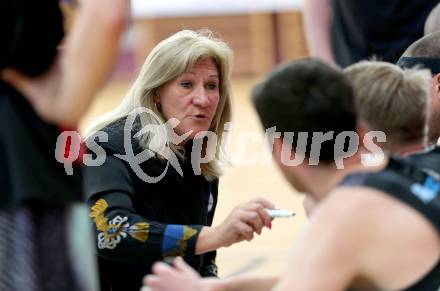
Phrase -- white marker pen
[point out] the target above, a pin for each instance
(274, 213)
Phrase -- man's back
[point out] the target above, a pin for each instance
(370, 239)
(394, 246)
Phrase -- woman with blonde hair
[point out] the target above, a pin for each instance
(153, 190)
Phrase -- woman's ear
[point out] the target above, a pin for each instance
(156, 100)
(436, 81)
(156, 97)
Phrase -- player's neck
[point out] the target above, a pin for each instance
(322, 179)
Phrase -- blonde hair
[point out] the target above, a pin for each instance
(168, 60)
(391, 99)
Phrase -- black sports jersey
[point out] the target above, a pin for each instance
(414, 180)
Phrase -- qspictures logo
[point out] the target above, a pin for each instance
(162, 137)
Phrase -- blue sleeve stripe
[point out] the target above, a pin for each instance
(171, 240)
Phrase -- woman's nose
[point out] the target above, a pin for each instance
(200, 97)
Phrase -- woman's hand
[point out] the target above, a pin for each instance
(242, 223)
(244, 220)
(181, 277)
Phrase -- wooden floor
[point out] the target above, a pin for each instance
(268, 253)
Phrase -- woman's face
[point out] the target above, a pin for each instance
(192, 98)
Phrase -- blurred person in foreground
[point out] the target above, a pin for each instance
(378, 231)
(44, 240)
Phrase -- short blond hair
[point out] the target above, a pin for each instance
(391, 99)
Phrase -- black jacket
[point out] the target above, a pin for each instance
(138, 223)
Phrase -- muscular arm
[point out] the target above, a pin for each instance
(317, 23)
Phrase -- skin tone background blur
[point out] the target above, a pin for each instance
(266, 254)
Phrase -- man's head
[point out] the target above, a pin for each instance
(392, 100)
(425, 53)
(432, 23)
(306, 96)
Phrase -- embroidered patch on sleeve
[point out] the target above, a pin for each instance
(112, 232)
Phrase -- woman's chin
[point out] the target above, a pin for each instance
(196, 131)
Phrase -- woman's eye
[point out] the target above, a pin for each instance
(212, 86)
(186, 84)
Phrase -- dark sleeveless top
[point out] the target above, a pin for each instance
(415, 181)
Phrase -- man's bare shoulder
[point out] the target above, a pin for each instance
(365, 211)
(381, 232)
(347, 215)
(353, 205)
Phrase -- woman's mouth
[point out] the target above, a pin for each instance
(199, 116)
